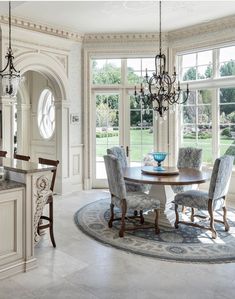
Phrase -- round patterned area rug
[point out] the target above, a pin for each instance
(186, 244)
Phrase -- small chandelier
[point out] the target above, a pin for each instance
(9, 75)
(160, 90)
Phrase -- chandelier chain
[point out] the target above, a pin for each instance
(160, 27)
(9, 24)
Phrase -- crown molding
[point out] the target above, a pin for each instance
(122, 37)
(46, 29)
(204, 28)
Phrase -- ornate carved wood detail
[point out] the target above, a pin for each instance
(41, 191)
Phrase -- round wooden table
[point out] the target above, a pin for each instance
(161, 185)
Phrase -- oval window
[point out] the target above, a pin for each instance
(46, 114)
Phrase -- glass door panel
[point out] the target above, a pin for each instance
(107, 129)
(141, 132)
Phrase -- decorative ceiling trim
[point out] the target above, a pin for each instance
(47, 29)
(122, 37)
(209, 27)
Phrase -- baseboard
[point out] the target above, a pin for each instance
(15, 268)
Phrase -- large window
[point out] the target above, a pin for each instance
(208, 117)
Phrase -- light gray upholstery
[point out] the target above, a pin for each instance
(210, 201)
(119, 153)
(189, 157)
(134, 200)
(218, 189)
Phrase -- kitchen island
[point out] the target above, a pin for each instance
(23, 195)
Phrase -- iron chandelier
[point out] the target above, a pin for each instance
(9, 75)
(161, 90)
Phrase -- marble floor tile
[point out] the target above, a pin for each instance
(81, 267)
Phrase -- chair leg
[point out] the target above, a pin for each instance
(122, 229)
(226, 225)
(176, 216)
(157, 213)
(141, 217)
(192, 214)
(110, 223)
(212, 227)
(51, 224)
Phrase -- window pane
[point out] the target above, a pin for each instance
(189, 60)
(149, 64)
(189, 74)
(204, 57)
(227, 121)
(227, 54)
(189, 114)
(106, 71)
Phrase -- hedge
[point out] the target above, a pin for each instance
(106, 134)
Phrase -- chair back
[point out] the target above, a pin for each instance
(3, 154)
(115, 177)
(190, 157)
(220, 178)
(119, 153)
(51, 163)
(21, 157)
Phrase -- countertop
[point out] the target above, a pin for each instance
(24, 166)
(6, 185)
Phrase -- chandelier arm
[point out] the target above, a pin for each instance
(2, 71)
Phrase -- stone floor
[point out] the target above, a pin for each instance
(82, 268)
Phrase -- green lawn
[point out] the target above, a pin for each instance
(145, 138)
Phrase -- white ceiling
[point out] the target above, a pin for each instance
(119, 16)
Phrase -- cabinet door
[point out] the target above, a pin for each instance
(11, 226)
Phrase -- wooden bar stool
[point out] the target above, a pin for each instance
(49, 218)
(21, 157)
(3, 154)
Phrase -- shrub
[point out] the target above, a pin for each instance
(106, 134)
(226, 132)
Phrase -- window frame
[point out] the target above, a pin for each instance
(214, 83)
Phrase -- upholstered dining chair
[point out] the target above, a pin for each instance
(210, 201)
(50, 217)
(133, 201)
(119, 153)
(21, 157)
(3, 154)
(188, 157)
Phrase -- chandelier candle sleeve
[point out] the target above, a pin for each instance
(161, 90)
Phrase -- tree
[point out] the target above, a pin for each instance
(190, 74)
(105, 117)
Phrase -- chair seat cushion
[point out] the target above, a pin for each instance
(197, 199)
(138, 201)
(182, 188)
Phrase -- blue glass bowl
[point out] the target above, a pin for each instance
(159, 157)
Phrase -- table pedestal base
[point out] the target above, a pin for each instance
(165, 195)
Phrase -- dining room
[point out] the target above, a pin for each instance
(119, 138)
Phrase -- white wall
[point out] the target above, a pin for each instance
(49, 57)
